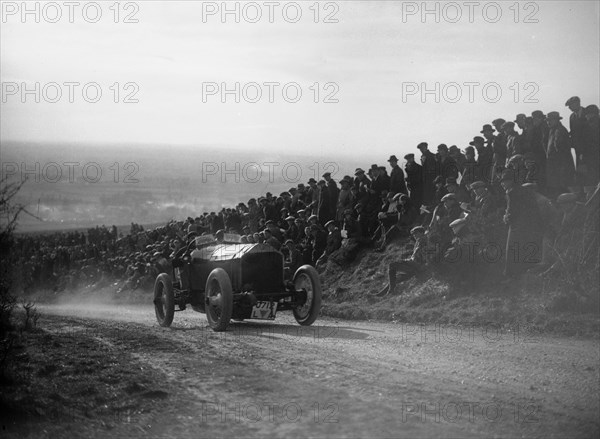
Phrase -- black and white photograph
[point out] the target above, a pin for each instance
(299, 219)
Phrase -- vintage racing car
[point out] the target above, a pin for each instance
(226, 279)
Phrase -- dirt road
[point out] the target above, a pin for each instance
(334, 379)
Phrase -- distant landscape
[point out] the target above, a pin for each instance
(80, 186)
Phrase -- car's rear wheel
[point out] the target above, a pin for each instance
(164, 300)
(219, 299)
(306, 278)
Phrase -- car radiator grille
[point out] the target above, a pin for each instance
(264, 271)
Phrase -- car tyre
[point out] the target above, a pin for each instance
(164, 300)
(307, 278)
(219, 300)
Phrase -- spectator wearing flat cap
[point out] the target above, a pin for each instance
(407, 214)
(499, 148)
(275, 230)
(591, 151)
(537, 143)
(430, 172)
(524, 242)
(577, 128)
(378, 184)
(334, 192)
(469, 170)
(293, 258)
(398, 271)
(333, 242)
(484, 159)
(513, 141)
(457, 156)
(397, 182)
(297, 202)
(446, 164)
(313, 191)
(485, 207)
(291, 231)
(448, 211)
(559, 162)
(550, 223)
(345, 199)
(414, 180)
(324, 209)
(361, 181)
(318, 239)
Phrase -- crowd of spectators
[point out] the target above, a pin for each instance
(516, 190)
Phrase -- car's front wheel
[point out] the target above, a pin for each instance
(306, 278)
(164, 300)
(219, 299)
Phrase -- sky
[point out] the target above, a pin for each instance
(371, 62)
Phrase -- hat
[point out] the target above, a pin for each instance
(396, 196)
(393, 158)
(591, 109)
(531, 185)
(358, 171)
(470, 148)
(422, 145)
(449, 197)
(477, 185)
(322, 183)
(443, 147)
(312, 217)
(520, 116)
(300, 185)
(566, 198)
(477, 140)
(290, 218)
(269, 222)
(487, 128)
(538, 114)
(458, 224)
(345, 180)
(507, 125)
(409, 156)
(417, 229)
(453, 148)
(554, 115)
(312, 180)
(573, 100)
(498, 122)
(327, 174)
(330, 223)
(288, 241)
(374, 167)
